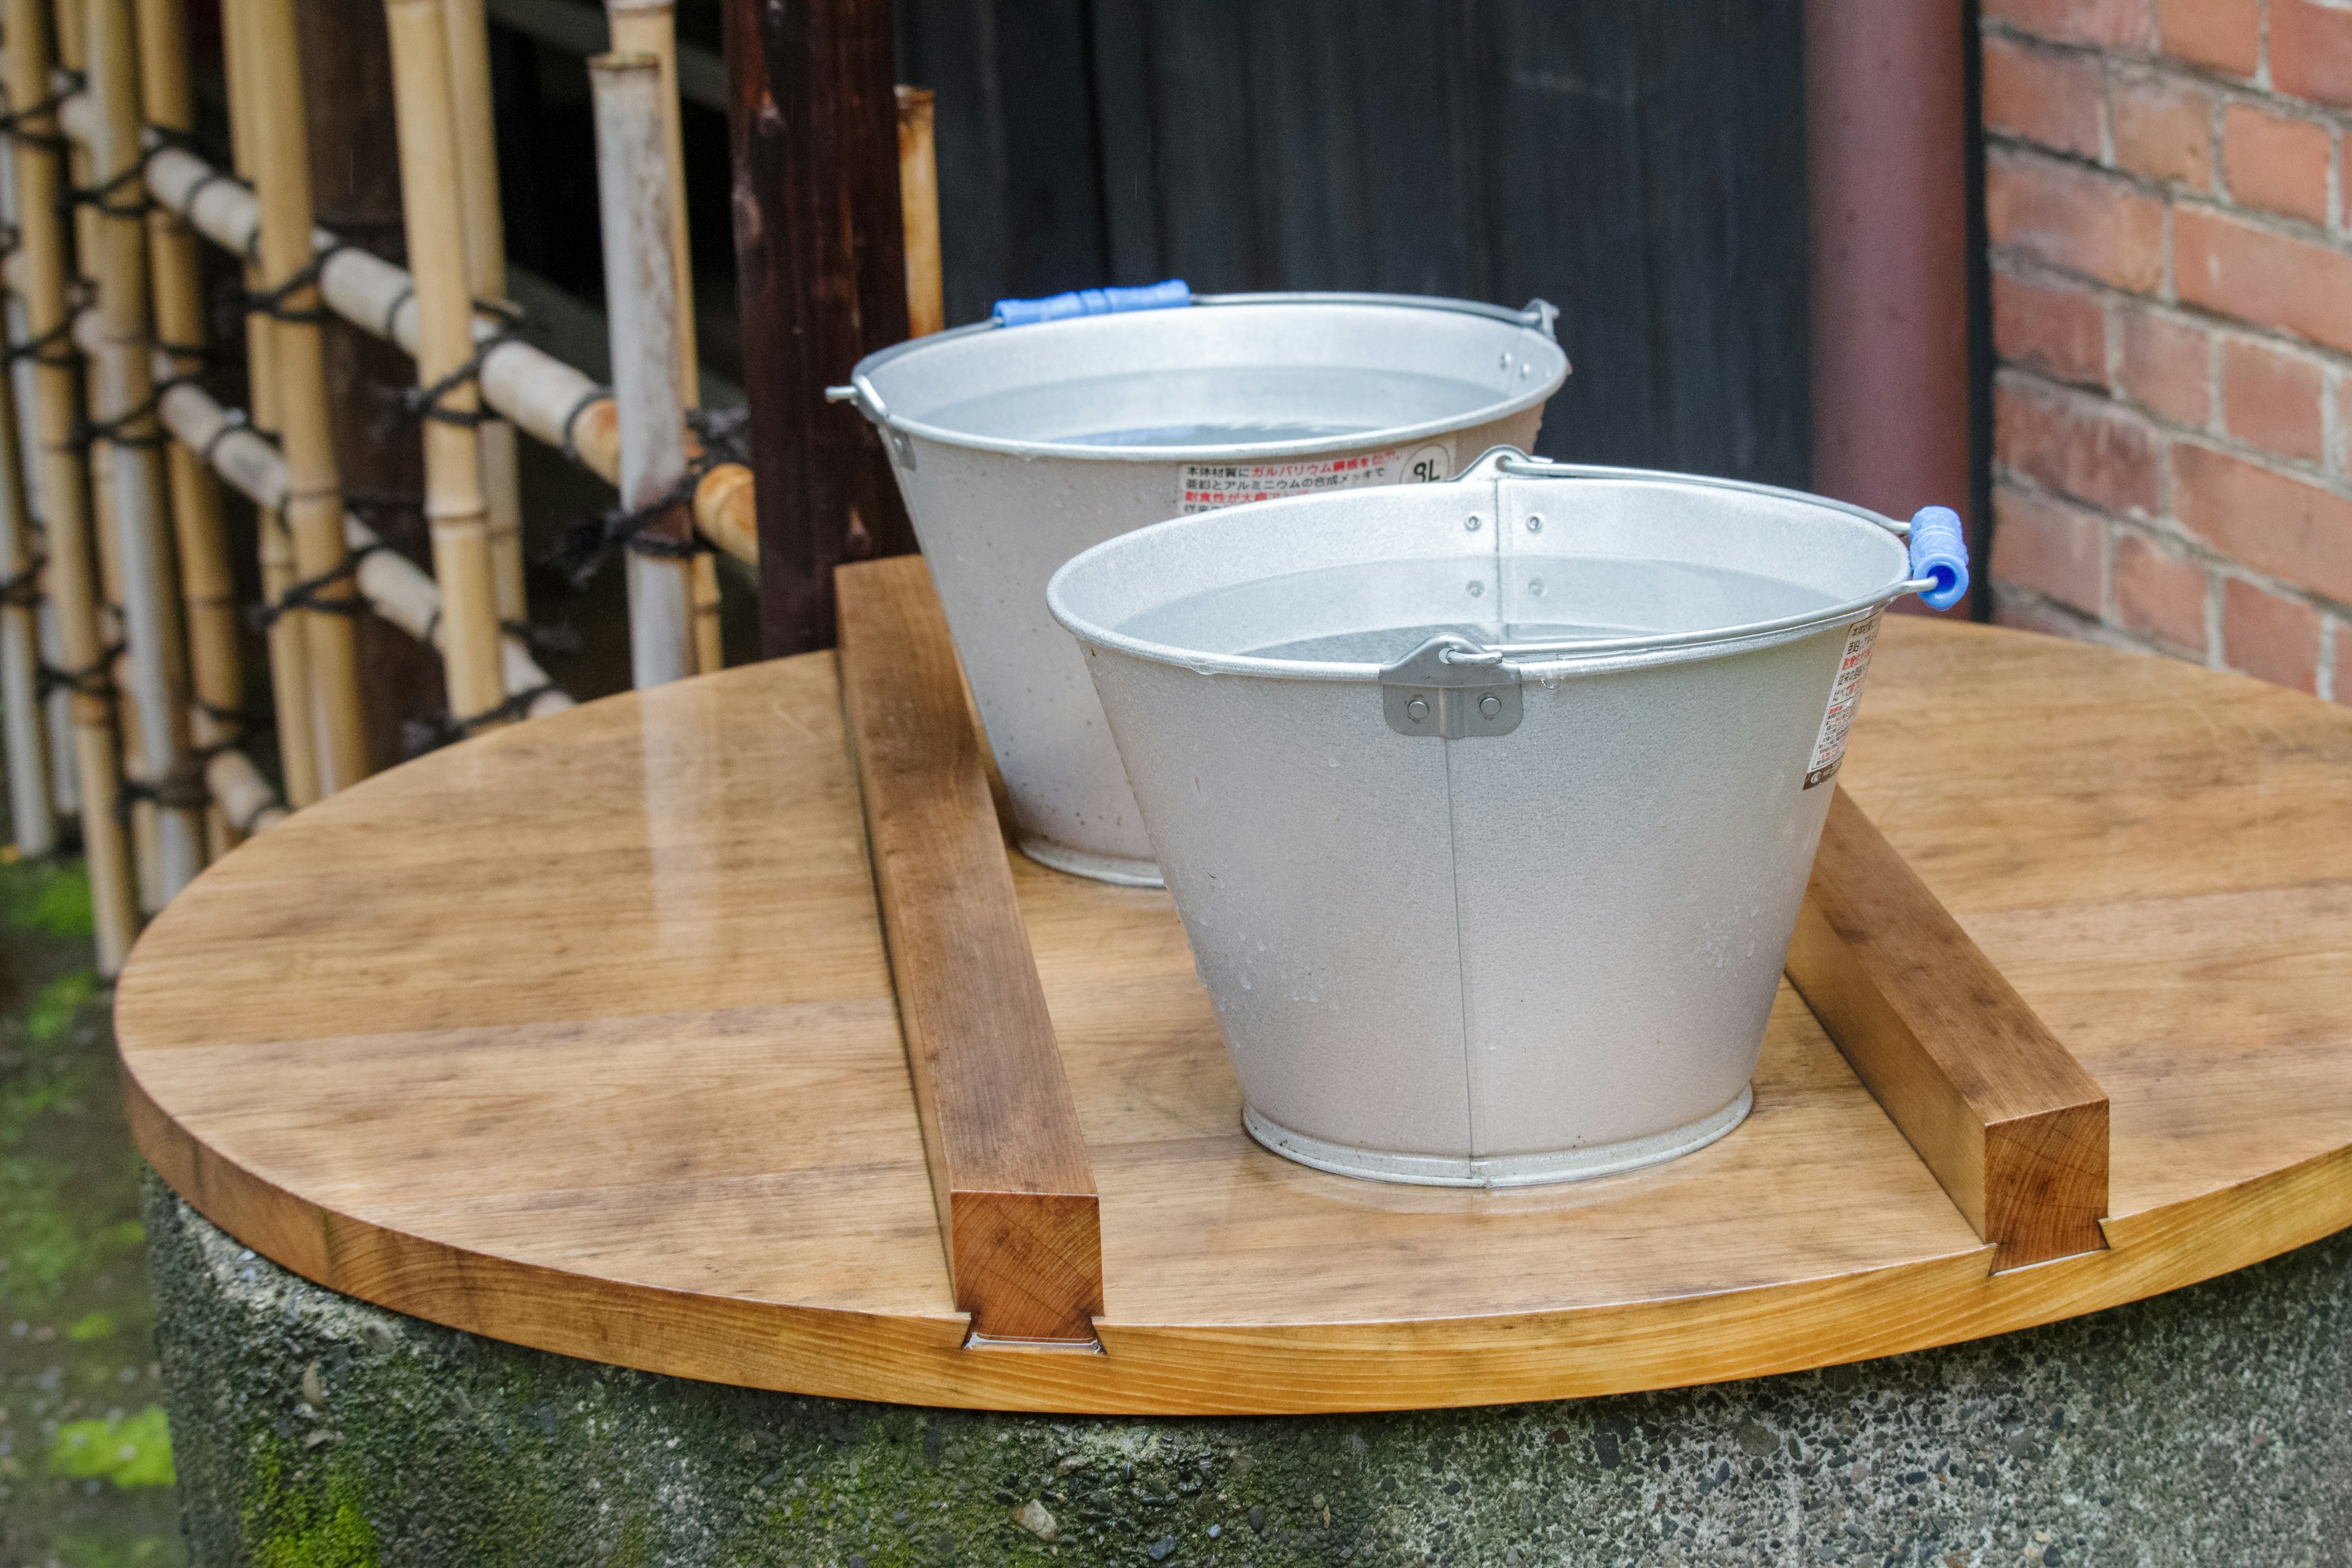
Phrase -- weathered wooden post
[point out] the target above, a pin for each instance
(813, 117)
(152, 627)
(430, 185)
(314, 504)
(634, 198)
(65, 495)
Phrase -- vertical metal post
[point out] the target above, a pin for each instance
(152, 627)
(634, 197)
(430, 187)
(314, 503)
(64, 494)
(813, 117)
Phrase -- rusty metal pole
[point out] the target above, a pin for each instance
(813, 117)
(1887, 130)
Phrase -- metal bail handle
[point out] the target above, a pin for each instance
(1171, 295)
(1452, 688)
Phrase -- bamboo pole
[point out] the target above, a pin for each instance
(650, 27)
(71, 21)
(430, 187)
(634, 197)
(394, 588)
(42, 255)
(32, 811)
(918, 205)
(485, 271)
(314, 511)
(65, 779)
(207, 587)
(31, 780)
(153, 627)
(289, 657)
(130, 759)
(546, 399)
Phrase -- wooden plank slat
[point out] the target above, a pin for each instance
(1009, 1169)
(1997, 1107)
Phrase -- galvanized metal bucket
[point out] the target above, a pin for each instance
(1017, 446)
(1488, 805)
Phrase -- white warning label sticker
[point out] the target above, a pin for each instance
(1845, 698)
(1205, 487)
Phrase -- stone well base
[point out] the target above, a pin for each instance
(2212, 1426)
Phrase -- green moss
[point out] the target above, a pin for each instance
(289, 1524)
(46, 896)
(59, 1005)
(92, 1326)
(127, 1450)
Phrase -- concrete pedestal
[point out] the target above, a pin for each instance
(2211, 1426)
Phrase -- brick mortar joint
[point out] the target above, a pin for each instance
(2165, 528)
(2155, 65)
(2301, 470)
(2024, 267)
(2173, 196)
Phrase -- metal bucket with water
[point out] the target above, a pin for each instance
(1019, 445)
(1488, 805)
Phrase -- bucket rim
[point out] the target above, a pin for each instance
(1601, 658)
(1536, 320)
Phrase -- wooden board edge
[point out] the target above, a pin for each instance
(1159, 1369)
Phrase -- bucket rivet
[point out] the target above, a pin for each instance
(1490, 706)
(1471, 525)
(1476, 589)
(1419, 708)
(1535, 524)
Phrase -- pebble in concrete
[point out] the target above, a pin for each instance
(2207, 1427)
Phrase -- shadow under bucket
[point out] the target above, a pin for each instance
(1018, 445)
(1488, 805)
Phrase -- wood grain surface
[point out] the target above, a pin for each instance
(581, 1034)
(2000, 1111)
(1008, 1164)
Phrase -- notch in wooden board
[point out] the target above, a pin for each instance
(1995, 1104)
(1018, 1212)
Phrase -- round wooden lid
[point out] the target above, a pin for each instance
(581, 1036)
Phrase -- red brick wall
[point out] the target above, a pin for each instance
(2165, 195)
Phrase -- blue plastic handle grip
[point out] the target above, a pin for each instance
(1094, 303)
(1939, 549)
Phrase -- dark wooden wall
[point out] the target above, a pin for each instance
(1639, 162)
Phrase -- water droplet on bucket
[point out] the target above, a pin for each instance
(1535, 586)
(1476, 589)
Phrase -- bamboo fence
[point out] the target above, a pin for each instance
(118, 604)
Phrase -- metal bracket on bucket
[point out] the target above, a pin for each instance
(1451, 688)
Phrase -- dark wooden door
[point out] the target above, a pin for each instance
(1639, 162)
